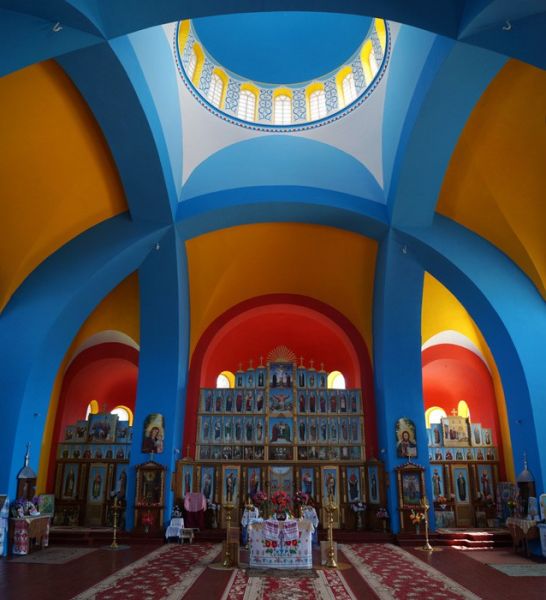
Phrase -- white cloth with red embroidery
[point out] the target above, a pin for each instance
(281, 544)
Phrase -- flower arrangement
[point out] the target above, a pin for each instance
(301, 498)
(281, 500)
(416, 517)
(147, 521)
(358, 507)
(441, 500)
(23, 507)
(212, 506)
(259, 498)
(382, 513)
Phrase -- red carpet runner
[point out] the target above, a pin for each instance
(393, 573)
(164, 574)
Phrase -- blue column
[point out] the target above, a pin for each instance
(397, 359)
(163, 361)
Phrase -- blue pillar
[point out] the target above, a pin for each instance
(163, 360)
(397, 360)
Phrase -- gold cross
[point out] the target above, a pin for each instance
(454, 412)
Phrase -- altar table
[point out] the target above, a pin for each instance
(281, 544)
(522, 532)
(22, 531)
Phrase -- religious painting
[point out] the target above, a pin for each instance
(153, 434)
(259, 453)
(261, 375)
(281, 375)
(228, 401)
(204, 452)
(490, 454)
(122, 452)
(237, 453)
(119, 482)
(312, 401)
(301, 377)
(486, 482)
(122, 432)
(302, 402)
(96, 486)
(240, 379)
(63, 451)
(438, 483)
(307, 476)
(227, 453)
(218, 401)
(469, 454)
(373, 485)
(435, 435)
(102, 428)
(302, 430)
(281, 479)
(248, 401)
(344, 430)
(279, 452)
(412, 488)
(150, 483)
(239, 401)
(312, 379)
(323, 430)
(461, 484)
(259, 429)
(76, 452)
(109, 452)
(69, 489)
(344, 453)
(228, 430)
(248, 430)
(476, 434)
(333, 433)
(487, 437)
(342, 401)
(260, 401)
(230, 484)
(46, 504)
(332, 402)
(355, 430)
(238, 426)
(216, 452)
(207, 483)
(448, 453)
(438, 454)
(460, 454)
(70, 433)
(406, 442)
(330, 484)
(479, 453)
(322, 380)
(281, 400)
(455, 431)
(280, 430)
(355, 452)
(205, 429)
(353, 484)
(253, 478)
(187, 479)
(354, 401)
(250, 379)
(322, 402)
(82, 428)
(313, 433)
(217, 430)
(207, 401)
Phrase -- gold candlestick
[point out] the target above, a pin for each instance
(227, 564)
(330, 509)
(114, 544)
(424, 503)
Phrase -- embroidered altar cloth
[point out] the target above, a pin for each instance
(281, 544)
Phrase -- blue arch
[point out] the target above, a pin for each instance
(283, 160)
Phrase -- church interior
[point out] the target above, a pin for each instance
(272, 283)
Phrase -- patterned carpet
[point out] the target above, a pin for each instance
(326, 585)
(54, 556)
(393, 573)
(164, 574)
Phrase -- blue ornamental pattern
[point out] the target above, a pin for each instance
(265, 105)
(376, 45)
(232, 96)
(187, 50)
(206, 76)
(299, 111)
(330, 90)
(358, 75)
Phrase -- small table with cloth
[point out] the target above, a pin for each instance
(522, 531)
(27, 529)
(281, 544)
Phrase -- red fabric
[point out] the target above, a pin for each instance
(195, 519)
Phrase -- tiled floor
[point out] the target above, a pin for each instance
(62, 582)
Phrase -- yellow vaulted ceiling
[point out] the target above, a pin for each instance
(232, 265)
(496, 181)
(57, 176)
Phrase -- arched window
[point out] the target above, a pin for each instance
(374, 67)
(192, 63)
(317, 105)
(282, 110)
(124, 413)
(247, 106)
(226, 379)
(216, 89)
(336, 381)
(349, 88)
(463, 410)
(92, 409)
(434, 415)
